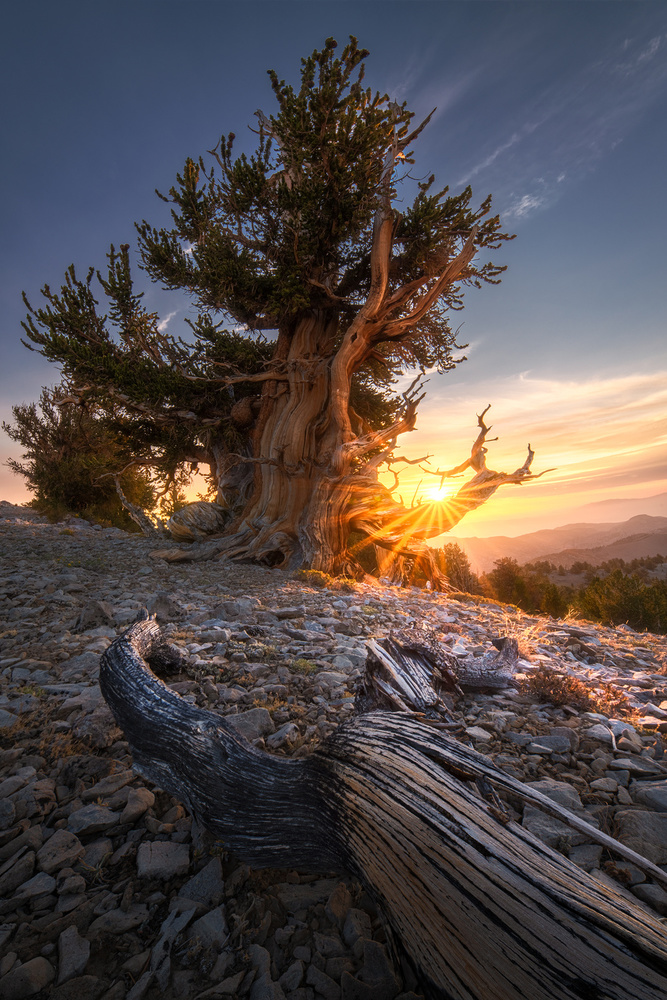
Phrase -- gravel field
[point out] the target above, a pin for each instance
(108, 889)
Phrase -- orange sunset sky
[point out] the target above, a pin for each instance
(605, 439)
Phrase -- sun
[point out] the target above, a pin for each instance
(434, 494)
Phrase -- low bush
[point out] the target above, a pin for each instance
(545, 684)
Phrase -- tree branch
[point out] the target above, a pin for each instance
(138, 515)
(394, 525)
(383, 227)
(396, 328)
(387, 437)
(338, 299)
(161, 416)
(237, 379)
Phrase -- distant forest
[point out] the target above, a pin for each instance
(615, 593)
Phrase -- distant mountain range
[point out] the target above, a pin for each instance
(620, 510)
(642, 535)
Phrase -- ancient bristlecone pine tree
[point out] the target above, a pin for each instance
(302, 238)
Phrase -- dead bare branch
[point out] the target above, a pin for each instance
(387, 438)
(138, 515)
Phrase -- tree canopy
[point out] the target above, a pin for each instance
(312, 292)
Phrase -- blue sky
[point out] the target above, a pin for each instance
(556, 108)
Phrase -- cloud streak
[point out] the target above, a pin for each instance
(489, 160)
(568, 127)
(164, 323)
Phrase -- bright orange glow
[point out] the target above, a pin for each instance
(434, 494)
(197, 485)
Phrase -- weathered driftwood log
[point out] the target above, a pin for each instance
(484, 910)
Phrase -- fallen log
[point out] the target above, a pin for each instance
(483, 909)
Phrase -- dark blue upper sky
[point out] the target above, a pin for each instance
(557, 108)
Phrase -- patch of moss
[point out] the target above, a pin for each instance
(313, 578)
(303, 666)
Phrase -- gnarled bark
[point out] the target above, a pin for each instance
(316, 479)
(482, 908)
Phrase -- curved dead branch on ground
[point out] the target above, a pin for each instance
(481, 907)
(138, 515)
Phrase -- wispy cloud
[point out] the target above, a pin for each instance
(524, 205)
(639, 59)
(571, 124)
(515, 138)
(447, 94)
(164, 323)
(399, 86)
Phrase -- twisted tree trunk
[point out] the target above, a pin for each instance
(482, 908)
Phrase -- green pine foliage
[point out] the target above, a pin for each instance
(68, 455)
(615, 593)
(272, 234)
(619, 598)
(257, 241)
(509, 584)
(121, 359)
(456, 567)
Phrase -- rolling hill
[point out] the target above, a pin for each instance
(642, 535)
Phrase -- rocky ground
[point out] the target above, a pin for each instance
(107, 888)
